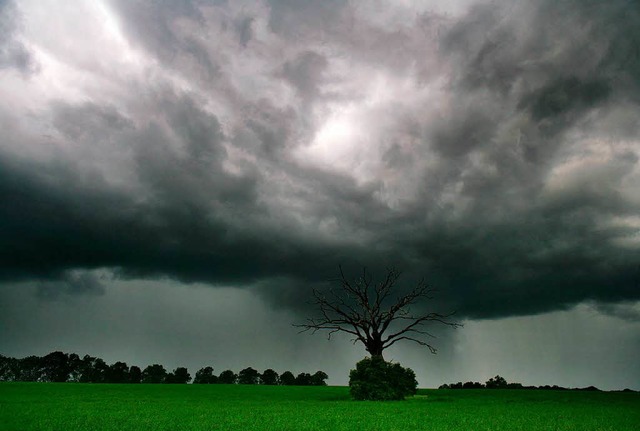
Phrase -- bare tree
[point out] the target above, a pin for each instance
(372, 314)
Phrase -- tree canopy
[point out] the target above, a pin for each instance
(248, 376)
(375, 314)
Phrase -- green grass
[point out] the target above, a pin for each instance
(68, 406)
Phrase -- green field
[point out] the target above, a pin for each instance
(68, 406)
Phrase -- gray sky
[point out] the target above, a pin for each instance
(175, 177)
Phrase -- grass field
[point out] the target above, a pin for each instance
(68, 406)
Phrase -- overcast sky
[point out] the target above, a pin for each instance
(176, 176)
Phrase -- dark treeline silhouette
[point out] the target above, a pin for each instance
(63, 367)
(249, 376)
(69, 367)
(498, 382)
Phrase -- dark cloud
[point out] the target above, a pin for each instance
(518, 238)
(471, 125)
(245, 30)
(306, 18)
(13, 53)
(88, 122)
(621, 310)
(565, 95)
(496, 158)
(157, 27)
(71, 283)
(192, 220)
(305, 73)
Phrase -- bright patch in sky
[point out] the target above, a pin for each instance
(349, 134)
(337, 142)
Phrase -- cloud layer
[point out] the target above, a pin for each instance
(491, 147)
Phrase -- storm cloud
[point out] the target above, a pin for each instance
(491, 147)
(13, 53)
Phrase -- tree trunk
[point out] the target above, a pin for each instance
(374, 347)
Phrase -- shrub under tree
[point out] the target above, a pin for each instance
(375, 379)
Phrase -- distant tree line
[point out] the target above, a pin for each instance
(499, 382)
(250, 376)
(63, 367)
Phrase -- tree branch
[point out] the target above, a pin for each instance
(357, 309)
(415, 340)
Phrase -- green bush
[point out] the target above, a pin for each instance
(375, 379)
